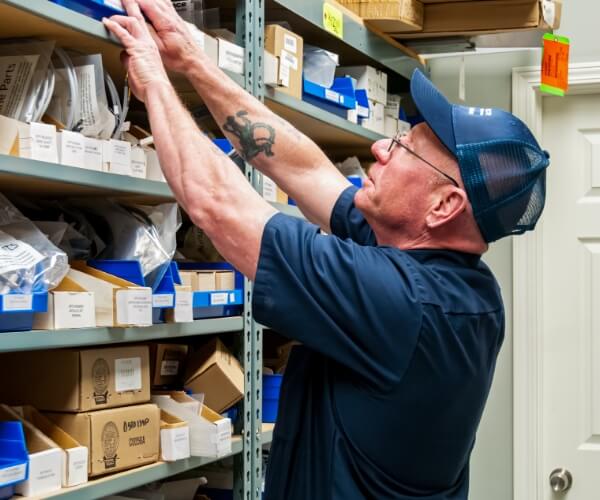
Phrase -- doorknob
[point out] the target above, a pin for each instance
(560, 480)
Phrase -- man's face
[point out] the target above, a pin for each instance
(398, 192)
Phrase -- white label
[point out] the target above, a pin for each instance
(288, 59)
(38, 142)
(18, 302)
(119, 156)
(15, 75)
(218, 299)
(163, 300)
(169, 367)
(11, 474)
(231, 56)
(128, 374)
(290, 43)
(134, 307)
(332, 95)
(232, 297)
(284, 75)
(93, 154)
(72, 149)
(74, 310)
(269, 189)
(15, 254)
(184, 310)
(138, 163)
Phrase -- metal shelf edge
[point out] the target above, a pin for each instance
(55, 339)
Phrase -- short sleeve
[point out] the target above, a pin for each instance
(347, 221)
(349, 302)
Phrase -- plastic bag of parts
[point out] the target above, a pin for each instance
(319, 65)
(145, 234)
(76, 245)
(24, 77)
(196, 246)
(29, 262)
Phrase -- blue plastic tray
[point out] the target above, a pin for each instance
(20, 320)
(338, 99)
(13, 453)
(91, 8)
(271, 389)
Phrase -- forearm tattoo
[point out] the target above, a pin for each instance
(254, 138)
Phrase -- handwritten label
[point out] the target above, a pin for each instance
(219, 299)
(333, 20)
(18, 302)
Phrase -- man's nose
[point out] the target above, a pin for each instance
(379, 150)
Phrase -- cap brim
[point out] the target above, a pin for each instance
(434, 107)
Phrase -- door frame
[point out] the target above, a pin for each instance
(528, 257)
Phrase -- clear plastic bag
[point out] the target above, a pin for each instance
(76, 245)
(319, 65)
(28, 260)
(24, 67)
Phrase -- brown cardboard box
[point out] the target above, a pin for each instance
(167, 363)
(77, 380)
(394, 16)
(225, 280)
(117, 438)
(289, 50)
(216, 372)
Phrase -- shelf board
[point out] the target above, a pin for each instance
(24, 176)
(335, 134)
(267, 433)
(54, 339)
(359, 45)
(123, 481)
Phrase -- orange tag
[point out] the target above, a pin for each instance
(555, 65)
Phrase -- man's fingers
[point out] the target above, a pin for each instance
(133, 9)
(154, 10)
(120, 32)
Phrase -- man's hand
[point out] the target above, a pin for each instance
(171, 34)
(141, 57)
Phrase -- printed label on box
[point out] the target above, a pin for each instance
(332, 95)
(184, 310)
(163, 300)
(16, 254)
(42, 144)
(15, 473)
(74, 310)
(18, 302)
(93, 154)
(290, 43)
(138, 163)
(181, 442)
(284, 75)
(128, 374)
(288, 59)
(269, 189)
(232, 297)
(72, 149)
(169, 367)
(134, 307)
(219, 299)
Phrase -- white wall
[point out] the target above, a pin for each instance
(489, 84)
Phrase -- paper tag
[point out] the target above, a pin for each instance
(16, 254)
(15, 74)
(290, 43)
(184, 307)
(72, 149)
(14, 302)
(169, 367)
(555, 65)
(332, 95)
(163, 300)
(134, 307)
(11, 474)
(288, 59)
(128, 374)
(284, 75)
(218, 299)
(333, 20)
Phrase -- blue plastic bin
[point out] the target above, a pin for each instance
(91, 8)
(271, 389)
(13, 456)
(20, 320)
(337, 100)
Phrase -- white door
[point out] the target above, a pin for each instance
(570, 417)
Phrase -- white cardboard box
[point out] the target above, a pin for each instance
(71, 148)
(271, 66)
(139, 166)
(153, 170)
(390, 126)
(375, 122)
(174, 437)
(368, 78)
(37, 141)
(75, 456)
(183, 312)
(116, 157)
(67, 309)
(231, 56)
(93, 154)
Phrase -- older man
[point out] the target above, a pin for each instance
(400, 321)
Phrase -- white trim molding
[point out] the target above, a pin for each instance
(528, 258)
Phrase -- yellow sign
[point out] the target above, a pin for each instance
(333, 20)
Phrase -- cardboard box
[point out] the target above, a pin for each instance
(376, 120)
(153, 170)
(225, 280)
(282, 196)
(45, 459)
(93, 154)
(9, 136)
(167, 363)
(139, 166)
(116, 157)
(390, 126)
(69, 306)
(393, 16)
(174, 437)
(210, 434)
(71, 148)
(289, 50)
(117, 438)
(77, 380)
(206, 281)
(368, 78)
(231, 56)
(269, 189)
(74, 456)
(38, 141)
(216, 373)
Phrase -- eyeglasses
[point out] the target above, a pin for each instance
(396, 140)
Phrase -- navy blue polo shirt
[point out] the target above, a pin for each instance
(383, 397)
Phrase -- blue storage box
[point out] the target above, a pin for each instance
(362, 104)
(14, 458)
(224, 145)
(17, 310)
(219, 303)
(271, 389)
(92, 8)
(163, 288)
(337, 100)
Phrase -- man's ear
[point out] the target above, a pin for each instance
(449, 203)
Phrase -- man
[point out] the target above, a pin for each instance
(399, 319)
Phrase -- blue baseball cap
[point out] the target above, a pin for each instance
(502, 165)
